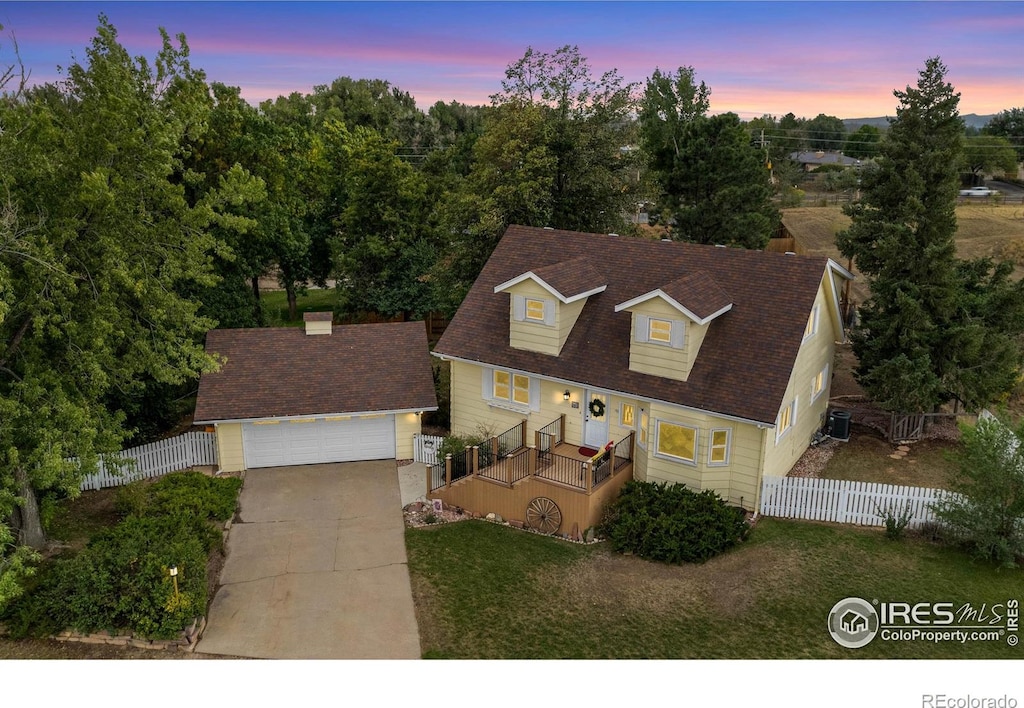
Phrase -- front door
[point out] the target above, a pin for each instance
(595, 421)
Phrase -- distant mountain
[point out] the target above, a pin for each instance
(971, 120)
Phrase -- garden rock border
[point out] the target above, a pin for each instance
(186, 641)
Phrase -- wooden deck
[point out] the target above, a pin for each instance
(508, 485)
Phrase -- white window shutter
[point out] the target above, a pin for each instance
(643, 326)
(518, 308)
(549, 313)
(487, 384)
(534, 394)
(678, 334)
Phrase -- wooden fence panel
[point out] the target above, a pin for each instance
(154, 460)
(843, 501)
(425, 447)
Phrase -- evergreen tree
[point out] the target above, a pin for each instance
(930, 331)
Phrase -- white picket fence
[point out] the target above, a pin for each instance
(844, 501)
(425, 447)
(156, 459)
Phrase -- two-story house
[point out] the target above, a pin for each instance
(713, 363)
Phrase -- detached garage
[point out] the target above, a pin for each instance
(289, 396)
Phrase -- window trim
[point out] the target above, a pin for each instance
(667, 342)
(526, 310)
(711, 447)
(531, 389)
(622, 414)
(781, 432)
(823, 375)
(669, 456)
(643, 428)
(811, 328)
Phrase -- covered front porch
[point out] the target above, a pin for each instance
(544, 482)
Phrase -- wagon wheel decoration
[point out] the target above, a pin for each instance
(543, 515)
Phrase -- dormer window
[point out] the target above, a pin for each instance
(534, 310)
(660, 331)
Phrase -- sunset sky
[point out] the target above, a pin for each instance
(837, 58)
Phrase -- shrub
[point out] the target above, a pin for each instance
(132, 499)
(195, 494)
(895, 521)
(985, 513)
(120, 580)
(671, 523)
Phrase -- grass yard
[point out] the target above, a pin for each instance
(983, 230)
(275, 305)
(865, 458)
(487, 591)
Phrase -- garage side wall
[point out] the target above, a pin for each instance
(229, 447)
(406, 425)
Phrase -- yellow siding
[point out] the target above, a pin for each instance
(533, 336)
(229, 447)
(815, 353)
(406, 425)
(661, 359)
(737, 482)
(471, 413)
(565, 319)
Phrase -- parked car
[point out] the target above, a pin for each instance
(978, 192)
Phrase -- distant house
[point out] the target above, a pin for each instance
(810, 160)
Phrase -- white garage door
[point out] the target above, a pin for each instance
(309, 442)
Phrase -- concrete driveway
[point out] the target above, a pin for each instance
(316, 568)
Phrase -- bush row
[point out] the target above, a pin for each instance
(120, 581)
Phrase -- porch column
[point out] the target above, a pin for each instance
(448, 470)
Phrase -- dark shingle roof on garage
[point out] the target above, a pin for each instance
(282, 372)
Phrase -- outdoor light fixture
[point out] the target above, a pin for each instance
(173, 571)
(565, 396)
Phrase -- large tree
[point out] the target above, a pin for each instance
(98, 237)
(714, 181)
(1010, 125)
(382, 249)
(825, 132)
(989, 153)
(934, 328)
(585, 126)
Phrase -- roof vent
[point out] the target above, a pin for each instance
(318, 322)
(549, 228)
(719, 245)
(666, 240)
(613, 234)
(790, 253)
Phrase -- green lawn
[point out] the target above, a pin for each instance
(275, 305)
(487, 591)
(866, 458)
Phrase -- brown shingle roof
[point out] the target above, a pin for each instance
(279, 372)
(572, 278)
(699, 293)
(744, 362)
(317, 316)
